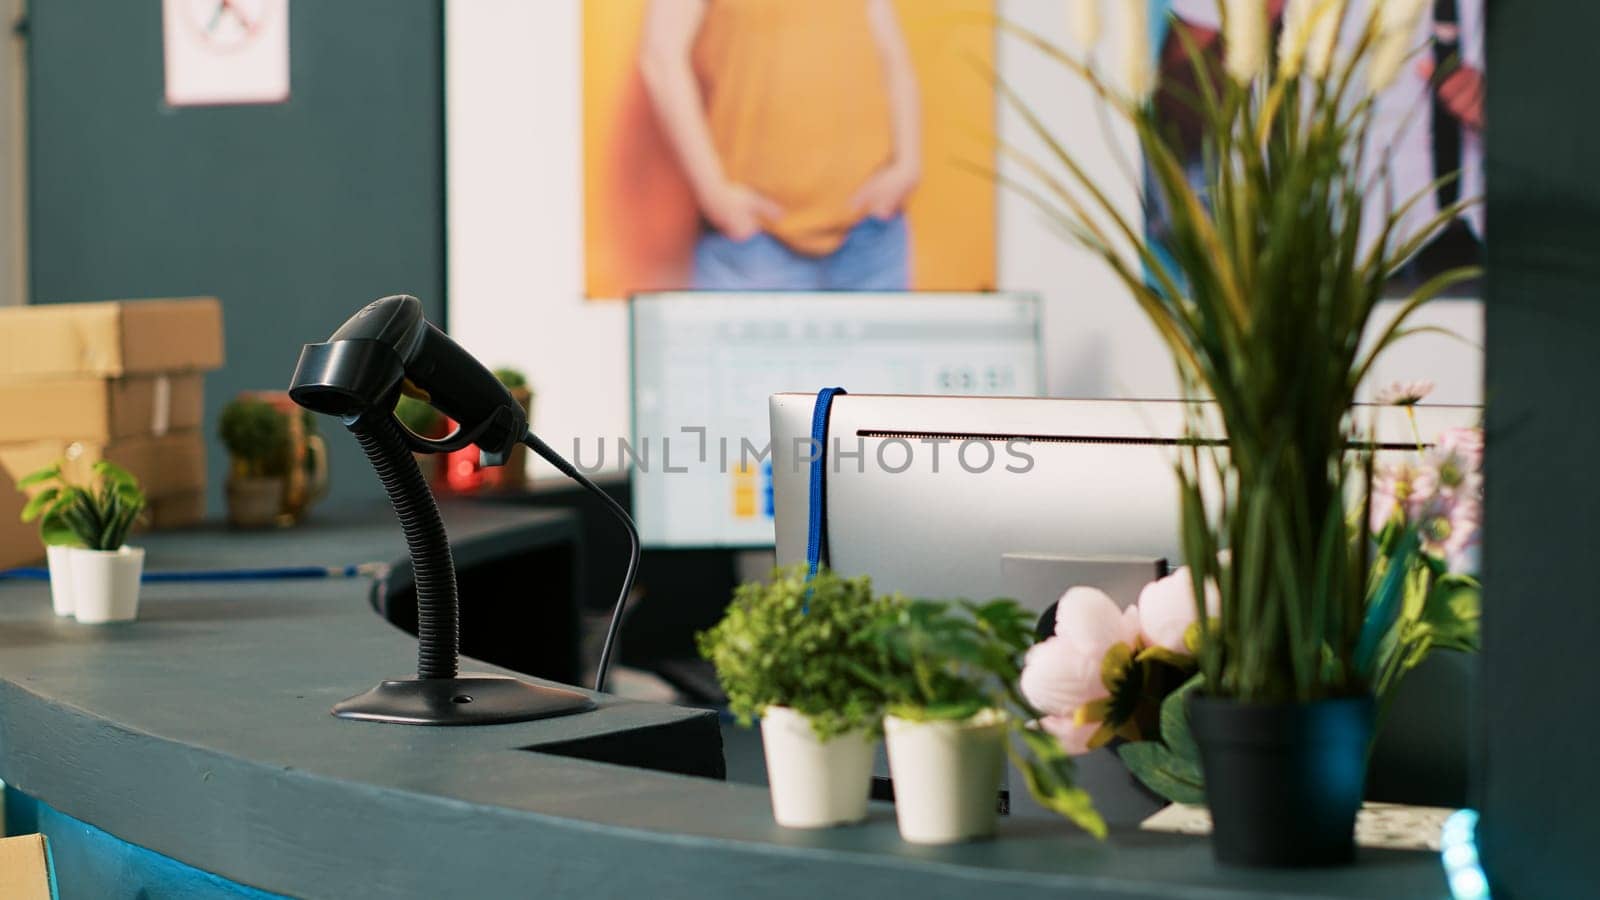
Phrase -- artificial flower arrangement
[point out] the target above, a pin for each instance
(1108, 673)
(1264, 286)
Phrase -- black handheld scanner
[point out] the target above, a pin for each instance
(388, 347)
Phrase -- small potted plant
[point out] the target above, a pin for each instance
(954, 710)
(422, 420)
(58, 539)
(91, 526)
(793, 652)
(256, 434)
(514, 474)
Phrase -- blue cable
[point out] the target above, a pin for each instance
(817, 540)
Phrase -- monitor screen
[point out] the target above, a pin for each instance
(703, 366)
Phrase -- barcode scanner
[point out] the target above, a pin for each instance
(358, 375)
(389, 348)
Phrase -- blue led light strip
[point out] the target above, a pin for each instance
(1458, 847)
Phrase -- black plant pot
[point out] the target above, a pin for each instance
(1283, 782)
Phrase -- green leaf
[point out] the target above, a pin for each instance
(1048, 770)
(55, 532)
(39, 503)
(1384, 606)
(1175, 731)
(1453, 611)
(49, 473)
(951, 711)
(115, 475)
(1162, 772)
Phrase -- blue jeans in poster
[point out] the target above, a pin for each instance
(875, 256)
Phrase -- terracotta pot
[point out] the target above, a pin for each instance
(514, 474)
(255, 502)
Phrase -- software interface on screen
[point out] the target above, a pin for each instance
(705, 364)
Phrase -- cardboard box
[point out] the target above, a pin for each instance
(19, 543)
(91, 408)
(172, 464)
(26, 872)
(175, 511)
(111, 339)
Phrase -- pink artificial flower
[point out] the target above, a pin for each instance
(1074, 738)
(1063, 673)
(1166, 609)
(1392, 485)
(1465, 445)
(1403, 393)
(1461, 549)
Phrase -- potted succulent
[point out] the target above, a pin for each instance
(422, 420)
(954, 710)
(514, 474)
(256, 434)
(305, 464)
(793, 652)
(1263, 285)
(90, 527)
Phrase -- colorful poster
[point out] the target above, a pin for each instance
(780, 145)
(1427, 123)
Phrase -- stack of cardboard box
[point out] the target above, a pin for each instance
(122, 381)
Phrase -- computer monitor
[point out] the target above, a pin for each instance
(704, 364)
(945, 488)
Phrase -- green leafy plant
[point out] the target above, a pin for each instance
(419, 417)
(1263, 291)
(804, 644)
(97, 518)
(950, 661)
(511, 378)
(256, 434)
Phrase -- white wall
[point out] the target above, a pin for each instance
(516, 210)
(13, 159)
(514, 150)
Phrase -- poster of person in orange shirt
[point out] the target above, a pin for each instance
(782, 145)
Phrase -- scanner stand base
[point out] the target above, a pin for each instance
(466, 700)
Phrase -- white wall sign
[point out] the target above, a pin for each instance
(226, 51)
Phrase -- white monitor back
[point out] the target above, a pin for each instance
(1101, 482)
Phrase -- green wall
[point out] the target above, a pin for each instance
(294, 214)
(1539, 779)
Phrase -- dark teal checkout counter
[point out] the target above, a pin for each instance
(191, 754)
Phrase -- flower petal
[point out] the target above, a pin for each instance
(1088, 619)
(1074, 738)
(1057, 679)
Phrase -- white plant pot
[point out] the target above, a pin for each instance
(814, 783)
(105, 584)
(946, 776)
(60, 560)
